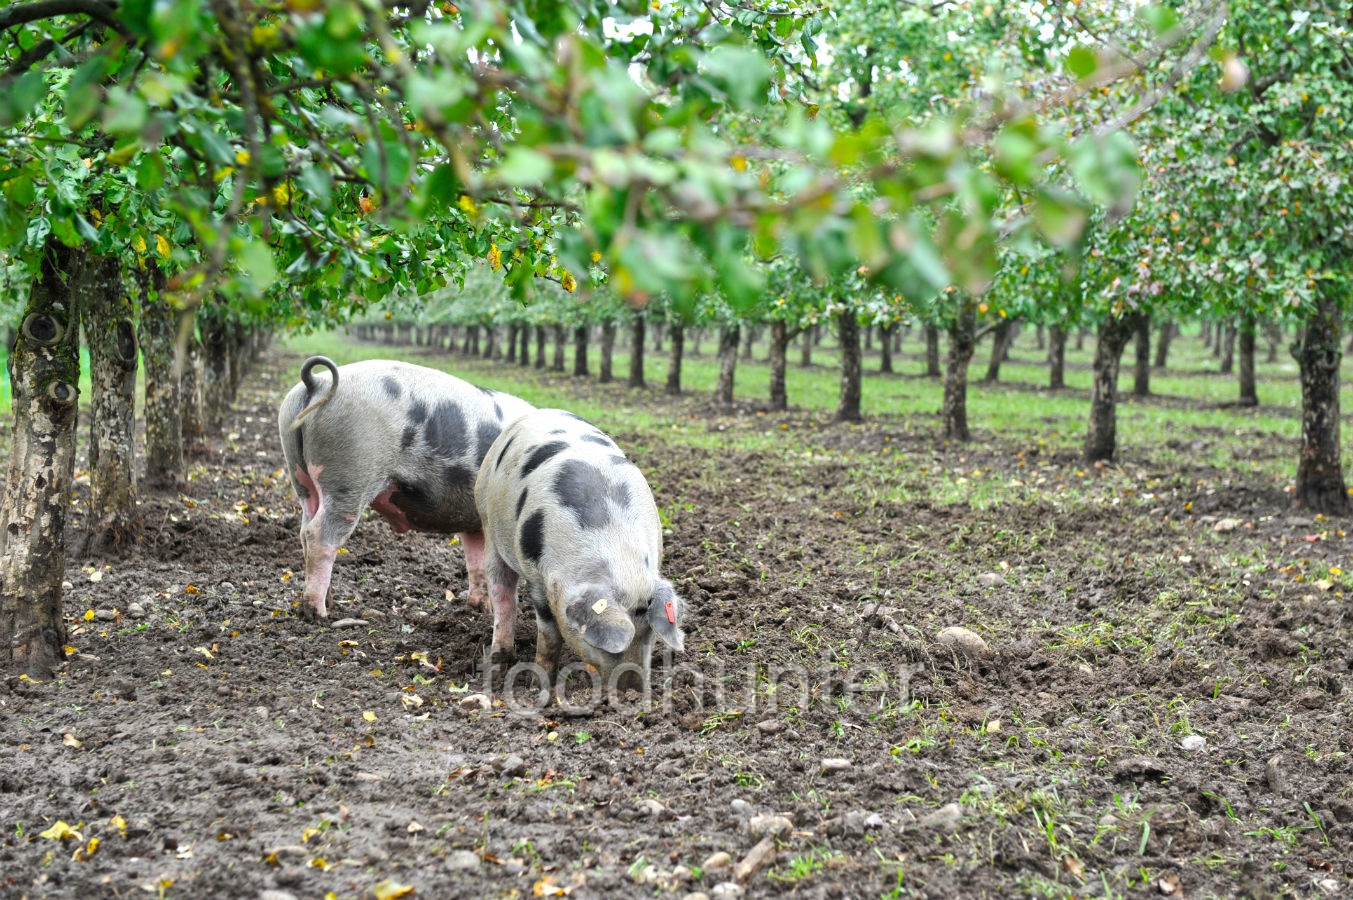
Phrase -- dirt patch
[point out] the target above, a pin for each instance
(1155, 700)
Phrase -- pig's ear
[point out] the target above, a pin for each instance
(665, 614)
(602, 622)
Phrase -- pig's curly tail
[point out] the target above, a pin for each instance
(308, 380)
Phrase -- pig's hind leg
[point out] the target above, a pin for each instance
(502, 581)
(329, 519)
(473, 542)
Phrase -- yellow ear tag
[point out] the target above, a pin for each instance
(600, 606)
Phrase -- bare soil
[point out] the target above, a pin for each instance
(1151, 700)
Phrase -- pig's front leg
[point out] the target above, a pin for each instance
(474, 566)
(549, 642)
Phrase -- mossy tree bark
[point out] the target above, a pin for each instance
(1101, 439)
(728, 364)
(1320, 474)
(677, 332)
(113, 353)
(962, 344)
(159, 333)
(44, 371)
(848, 328)
(580, 351)
(638, 330)
(1056, 357)
(1249, 394)
(606, 353)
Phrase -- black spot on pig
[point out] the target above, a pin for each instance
(558, 431)
(445, 430)
(540, 456)
(521, 503)
(408, 437)
(487, 433)
(619, 459)
(599, 438)
(583, 488)
(620, 494)
(418, 412)
(392, 387)
(503, 452)
(460, 476)
(532, 536)
(497, 411)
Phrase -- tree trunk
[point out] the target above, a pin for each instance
(491, 349)
(1168, 329)
(215, 370)
(604, 373)
(1320, 474)
(513, 329)
(728, 363)
(637, 328)
(677, 332)
(580, 351)
(112, 518)
(848, 407)
(780, 337)
(191, 405)
(932, 350)
(44, 372)
(1101, 439)
(1228, 352)
(806, 357)
(999, 337)
(560, 338)
(1273, 333)
(1040, 342)
(962, 344)
(1056, 357)
(540, 346)
(160, 326)
(1249, 394)
(886, 333)
(1141, 370)
(748, 339)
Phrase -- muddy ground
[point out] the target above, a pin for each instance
(1154, 703)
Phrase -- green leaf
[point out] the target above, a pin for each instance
(1159, 19)
(741, 72)
(150, 172)
(21, 96)
(524, 167)
(256, 263)
(84, 96)
(1060, 220)
(1081, 61)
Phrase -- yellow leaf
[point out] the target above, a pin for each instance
(161, 246)
(71, 741)
(242, 157)
(369, 716)
(60, 832)
(286, 576)
(69, 649)
(467, 204)
(82, 854)
(308, 834)
(118, 824)
(319, 863)
(139, 244)
(389, 889)
(89, 615)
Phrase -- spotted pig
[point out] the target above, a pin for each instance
(402, 439)
(565, 511)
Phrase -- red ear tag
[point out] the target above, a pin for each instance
(671, 612)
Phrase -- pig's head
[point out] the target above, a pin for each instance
(611, 628)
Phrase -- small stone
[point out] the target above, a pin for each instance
(513, 766)
(716, 861)
(274, 894)
(873, 820)
(371, 614)
(1193, 742)
(67, 587)
(849, 825)
(741, 807)
(832, 765)
(473, 702)
(136, 610)
(1274, 775)
(770, 726)
(773, 826)
(261, 712)
(227, 587)
(649, 874)
(514, 867)
(293, 851)
(350, 623)
(947, 818)
(462, 859)
(964, 640)
(991, 579)
(696, 895)
(726, 890)
(106, 615)
(1225, 526)
(681, 874)
(652, 808)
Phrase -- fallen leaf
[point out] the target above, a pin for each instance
(71, 741)
(118, 824)
(411, 701)
(82, 854)
(389, 889)
(369, 716)
(60, 831)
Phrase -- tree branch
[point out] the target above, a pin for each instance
(23, 14)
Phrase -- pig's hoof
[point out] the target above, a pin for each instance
(502, 657)
(311, 615)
